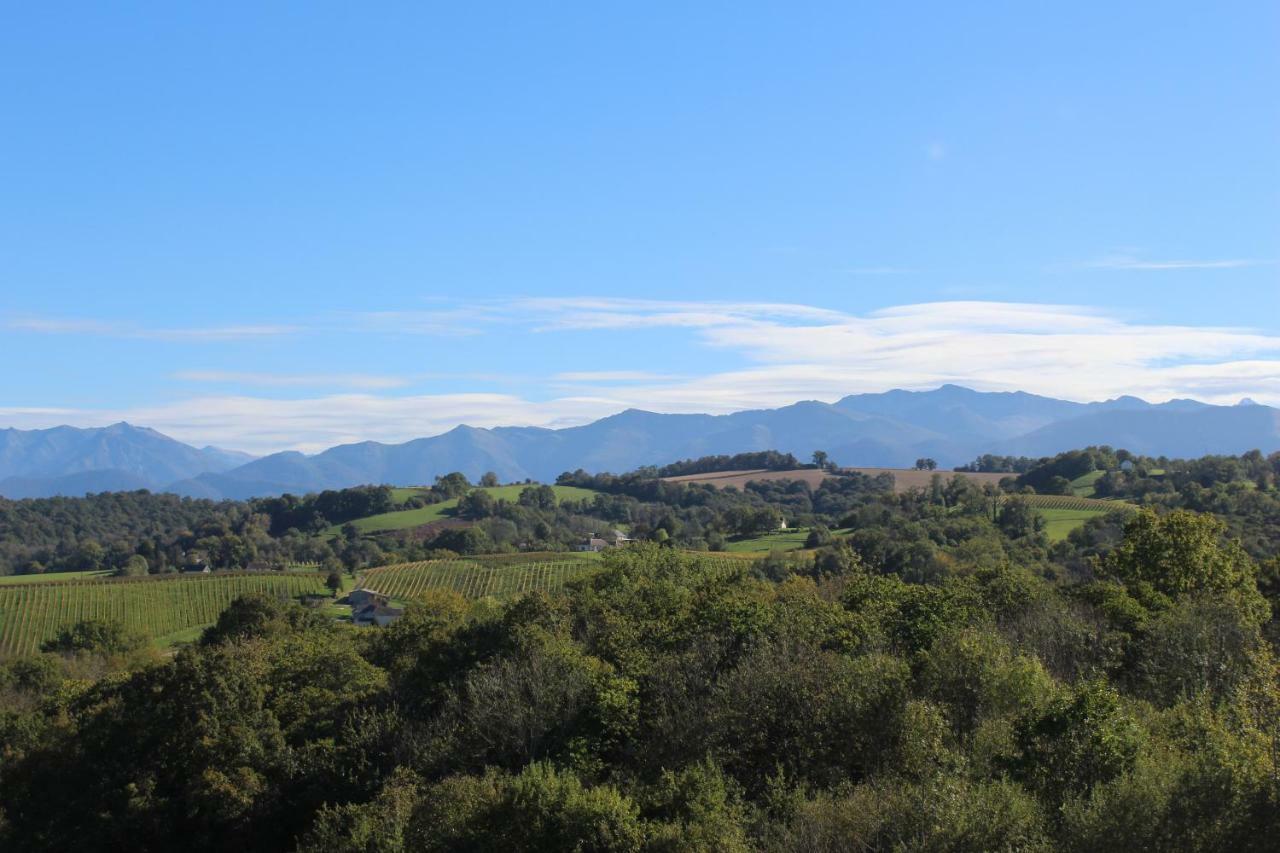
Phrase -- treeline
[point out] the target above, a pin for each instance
(141, 532)
(113, 530)
(1129, 474)
(668, 704)
(769, 460)
(105, 530)
(313, 513)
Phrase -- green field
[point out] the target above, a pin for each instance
(1083, 487)
(401, 494)
(1064, 513)
(406, 518)
(1060, 522)
(779, 540)
(166, 609)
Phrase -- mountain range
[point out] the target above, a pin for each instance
(950, 424)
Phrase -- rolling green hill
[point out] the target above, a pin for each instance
(1083, 487)
(406, 518)
(1064, 513)
(779, 540)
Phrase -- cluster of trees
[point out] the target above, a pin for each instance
(1053, 476)
(667, 703)
(313, 513)
(770, 460)
(104, 531)
(141, 532)
(991, 464)
(1241, 490)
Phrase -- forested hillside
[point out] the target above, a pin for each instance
(930, 671)
(667, 703)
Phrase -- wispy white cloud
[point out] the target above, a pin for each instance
(283, 380)
(101, 328)
(612, 376)
(786, 352)
(611, 313)
(1129, 262)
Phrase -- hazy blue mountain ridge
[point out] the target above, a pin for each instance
(950, 424)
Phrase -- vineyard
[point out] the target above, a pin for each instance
(476, 579)
(1065, 513)
(1077, 504)
(523, 557)
(33, 613)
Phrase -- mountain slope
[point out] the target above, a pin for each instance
(67, 460)
(1173, 431)
(950, 424)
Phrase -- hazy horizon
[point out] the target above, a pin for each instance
(196, 442)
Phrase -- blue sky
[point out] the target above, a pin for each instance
(314, 223)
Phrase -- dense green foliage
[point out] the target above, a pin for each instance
(103, 531)
(762, 460)
(854, 698)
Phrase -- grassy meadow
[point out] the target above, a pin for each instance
(1064, 513)
(1084, 487)
(407, 518)
(1060, 522)
(779, 540)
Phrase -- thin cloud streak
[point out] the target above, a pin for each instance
(101, 328)
(1130, 263)
(280, 380)
(562, 314)
(612, 376)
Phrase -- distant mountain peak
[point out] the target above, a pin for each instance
(118, 457)
(951, 424)
(1247, 401)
